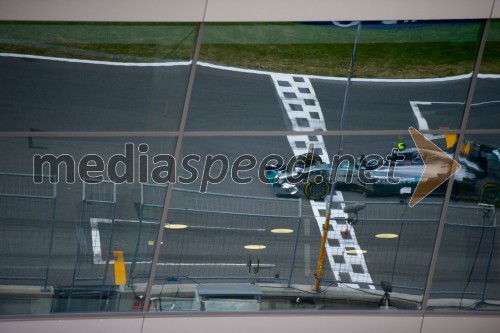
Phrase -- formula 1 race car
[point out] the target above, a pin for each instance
(478, 178)
(316, 178)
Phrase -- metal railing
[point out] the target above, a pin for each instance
(403, 252)
(224, 224)
(25, 204)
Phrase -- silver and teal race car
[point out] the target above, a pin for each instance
(368, 175)
(478, 179)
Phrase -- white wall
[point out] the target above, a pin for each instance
(262, 323)
(245, 10)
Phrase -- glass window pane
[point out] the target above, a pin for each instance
(397, 67)
(486, 103)
(246, 218)
(399, 239)
(466, 276)
(75, 241)
(94, 76)
(411, 74)
(259, 76)
(227, 234)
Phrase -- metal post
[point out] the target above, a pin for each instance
(326, 225)
(177, 152)
(139, 230)
(110, 246)
(492, 248)
(78, 239)
(51, 241)
(322, 250)
(294, 252)
(449, 186)
(349, 78)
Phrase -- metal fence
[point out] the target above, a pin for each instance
(467, 249)
(146, 231)
(391, 242)
(362, 257)
(24, 206)
(220, 237)
(235, 204)
(95, 234)
(234, 237)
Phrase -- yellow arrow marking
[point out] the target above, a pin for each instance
(438, 166)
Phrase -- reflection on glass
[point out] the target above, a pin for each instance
(94, 77)
(247, 215)
(413, 74)
(466, 273)
(486, 103)
(75, 232)
(231, 244)
(326, 77)
(306, 48)
(239, 233)
(398, 240)
(254, 235)
(261, 75)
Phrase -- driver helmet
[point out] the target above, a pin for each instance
(401, 145)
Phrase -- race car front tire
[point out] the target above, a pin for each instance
(317, 188)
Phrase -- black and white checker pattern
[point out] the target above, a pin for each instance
(303, 109)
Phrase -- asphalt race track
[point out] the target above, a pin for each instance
(46, 95)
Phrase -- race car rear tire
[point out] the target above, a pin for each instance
(317, 188)
(305, 161)
(310, 159)
(488, 191)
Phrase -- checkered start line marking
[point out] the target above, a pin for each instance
(304, 112)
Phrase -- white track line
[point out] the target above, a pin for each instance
(96, 241)
(422, 122)
(99, 62)
(242, 70)
(97, 250)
